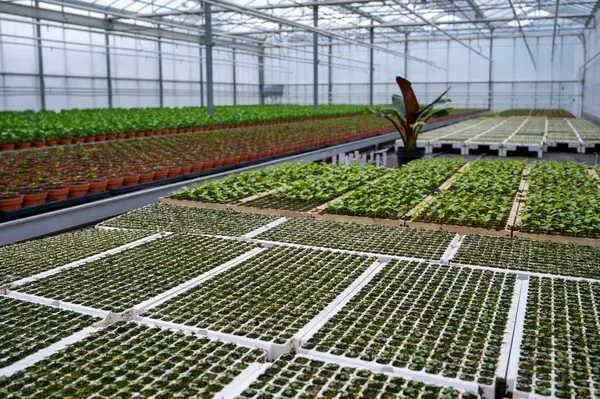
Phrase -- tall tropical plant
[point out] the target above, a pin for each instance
(407, 116)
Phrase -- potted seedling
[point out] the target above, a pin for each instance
(10, 200)
(409, 118)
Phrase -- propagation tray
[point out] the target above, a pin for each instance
(505, 290)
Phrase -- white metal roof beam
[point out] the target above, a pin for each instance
(104, 24)
(262, 15)
(522, 33)
(479, 14)
(419, 16)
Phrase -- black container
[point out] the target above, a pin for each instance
(406, 157)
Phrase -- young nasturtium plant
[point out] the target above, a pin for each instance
(407, 116)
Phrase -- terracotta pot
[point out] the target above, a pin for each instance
(65, 141)
(161, 174)
(121, 136)
(140, 134)
(34, 199)
(78, 190)
(58, 194)
(39, 144)
(185, 170)
(79, 140)
(111, 137)
(131, 180)
(217, 163)
(196, 167)
(90, 139)
(244, 158)
(51, 142)
(146, 177)
(97, 187)
(8, 147)
(131, 135)
(149, 133)
(11, 204)
(23, 145)
(206, 165)
(172, 172)
(112, 184)
(101, 137)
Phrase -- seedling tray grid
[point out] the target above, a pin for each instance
(504, 287)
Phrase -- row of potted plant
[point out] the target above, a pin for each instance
(190, 220)
(559, 351)
(481, 197)
(121, 281)
(25, 129)
(562, 198)
(530, 255)
(270, 296)
(379, 239)
(35, 176)
(301, 377)
(129, 359)
(38, 128)
(395, 195)
(33, 257)
(432, 318)
(29, 327)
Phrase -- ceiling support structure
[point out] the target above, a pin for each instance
(308, 28)
(108, 71)
(414, 24)
(210, 99)
(522, 33)
(108, 25)
(330, 75)
(432, 24)
(555, 28)
(315, 58)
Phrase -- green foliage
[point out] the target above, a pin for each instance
(45, 125)
(563, 198)
(481, 197)
(399, 192)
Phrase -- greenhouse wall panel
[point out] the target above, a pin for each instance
(591, 95)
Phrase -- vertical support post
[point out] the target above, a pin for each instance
(261, 75)
(490, 74)
(108, 71)
(315, 59)
(406, 56)
(160, 73)
(234, 78)
(40, 60)
(201, 76)
(330, 74)
(371, 67)
(210, 100)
